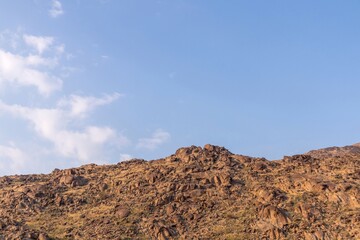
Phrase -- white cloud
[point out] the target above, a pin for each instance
(56, 9)
(80, 106)
(31, 69)
(12, 159)
(60, 126)
(125, 157)
(39, 43)
(60, 49)
(159, 137)
(10, 39)
(84, 145)
(28, 71)
(29, 158)
(54, 125)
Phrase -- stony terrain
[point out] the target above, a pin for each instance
(196, 193)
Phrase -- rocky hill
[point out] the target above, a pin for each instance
(196, 193)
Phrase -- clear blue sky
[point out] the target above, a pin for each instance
(105, 80)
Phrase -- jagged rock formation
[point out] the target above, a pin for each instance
(196, 193)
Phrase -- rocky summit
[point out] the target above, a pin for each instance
(196, 193)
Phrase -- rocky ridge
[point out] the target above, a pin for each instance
(196, 193)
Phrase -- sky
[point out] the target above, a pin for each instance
(103, 81)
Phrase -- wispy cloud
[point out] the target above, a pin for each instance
(12, 158)
(32, 70)
(9, 38)
(40, 43)
(55, 125)
(25, 65)
(61, 125)
(125, 157)
(80, 106)
(56, 9)
(34, 64)
(158, 138)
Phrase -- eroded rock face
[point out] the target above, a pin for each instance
(276, 216)
(197, 193)
(69, 178)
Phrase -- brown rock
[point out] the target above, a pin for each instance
(67, 179)
(216, 180)
(276, 216)
(43, 236)
(197, 193)
(122, 212)
(59, 201)
(169, 209)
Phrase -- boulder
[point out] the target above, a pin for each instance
(276, 216)
(122, 211)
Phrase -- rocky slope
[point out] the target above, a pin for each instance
(196, 193)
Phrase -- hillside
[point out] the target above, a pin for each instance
(196, 193)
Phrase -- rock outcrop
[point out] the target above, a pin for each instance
(196, 193)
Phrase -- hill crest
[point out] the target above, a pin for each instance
(196, 193)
